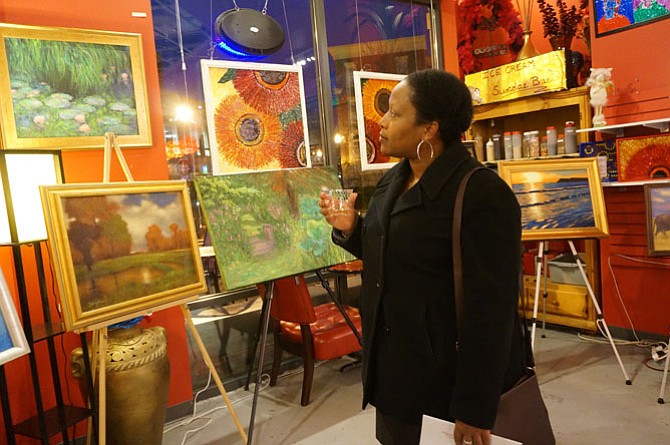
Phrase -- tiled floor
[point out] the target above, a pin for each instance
(582, 383)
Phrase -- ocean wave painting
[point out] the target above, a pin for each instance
(559, 199)
(555, 205)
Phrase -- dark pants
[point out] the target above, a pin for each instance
(394, 432)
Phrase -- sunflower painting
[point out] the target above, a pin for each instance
(256, 116)
(372, 92)
(643, 158)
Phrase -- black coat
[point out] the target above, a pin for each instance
(411, 365)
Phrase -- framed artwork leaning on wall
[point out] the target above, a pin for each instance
(657, 209)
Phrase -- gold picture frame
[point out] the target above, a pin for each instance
(657, 210)
(67, 87)
(121, 250)
(559, 198)
(13, 343)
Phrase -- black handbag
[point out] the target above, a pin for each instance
(522, 414)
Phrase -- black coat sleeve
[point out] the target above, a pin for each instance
(353, 243)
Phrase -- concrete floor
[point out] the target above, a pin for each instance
(582, 383)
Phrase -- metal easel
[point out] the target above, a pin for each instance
(263, 331)
(600, 320)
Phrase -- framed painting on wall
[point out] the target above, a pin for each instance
(13, 343)
(559, 199)
(66, 88)
(121, 250)
(256, 116)
(372, 92)
(618, 15)
(643, 158)
(268, 225)
(657, 206)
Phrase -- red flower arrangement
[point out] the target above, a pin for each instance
(502, 14)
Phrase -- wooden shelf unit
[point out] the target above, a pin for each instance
(567, 305)
(534, 113)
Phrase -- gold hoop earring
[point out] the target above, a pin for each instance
(418, 149)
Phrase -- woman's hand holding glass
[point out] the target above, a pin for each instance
(337, 206)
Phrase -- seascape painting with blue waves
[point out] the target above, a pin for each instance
(555, 200)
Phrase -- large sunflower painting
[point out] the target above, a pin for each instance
(372, 92)
(255, 115)
(643, 158)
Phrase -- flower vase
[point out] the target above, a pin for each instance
(527, 50)
(560, 41)
(138, 375)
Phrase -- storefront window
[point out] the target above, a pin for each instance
(393, 37)
(187, 144)
(387, 36)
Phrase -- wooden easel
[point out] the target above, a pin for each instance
(99, 340)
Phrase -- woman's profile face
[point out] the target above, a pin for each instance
(400, 133)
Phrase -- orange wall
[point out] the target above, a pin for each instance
(87, 166)
(641, 73)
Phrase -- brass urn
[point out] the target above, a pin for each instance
(138, 374)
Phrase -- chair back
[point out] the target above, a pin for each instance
(291, 300)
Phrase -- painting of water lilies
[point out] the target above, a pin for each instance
(267, 225)
(121, 249)
(256, 116)
(66, 88)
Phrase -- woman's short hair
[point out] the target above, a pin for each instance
(441, 97)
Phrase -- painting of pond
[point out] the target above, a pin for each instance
(267, 225)
(128, 250)
(67, 87)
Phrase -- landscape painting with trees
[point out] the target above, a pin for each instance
(128, 249)
(267, 225)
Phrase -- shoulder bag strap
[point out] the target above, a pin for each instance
(456, 250)
(458, 271)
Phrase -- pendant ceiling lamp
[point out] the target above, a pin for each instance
(249, 31)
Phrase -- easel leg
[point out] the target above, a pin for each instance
(600, 321)
(265, 321)
(538, 276)
(102, 387)
(212, 369)
(333, 297)
(545, 292)
(665, 376)
(265, 308)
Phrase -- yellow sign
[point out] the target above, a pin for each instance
(527, 77)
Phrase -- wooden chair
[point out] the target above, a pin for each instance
(314, 333)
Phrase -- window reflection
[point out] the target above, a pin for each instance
(388, 36)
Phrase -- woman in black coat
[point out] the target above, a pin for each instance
(411, 364)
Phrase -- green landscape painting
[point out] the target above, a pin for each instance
(267, 225)
(128, 246)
